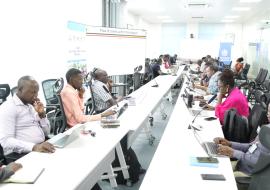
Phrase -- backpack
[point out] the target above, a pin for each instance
(235, 127)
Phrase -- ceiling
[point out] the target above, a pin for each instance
(198, 11)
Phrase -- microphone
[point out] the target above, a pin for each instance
(209, 101)
(155, 85)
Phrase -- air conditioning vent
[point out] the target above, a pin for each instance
(197, 5)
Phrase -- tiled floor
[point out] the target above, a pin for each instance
(142, 148)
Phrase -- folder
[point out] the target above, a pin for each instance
(194, 162)
(25, 175)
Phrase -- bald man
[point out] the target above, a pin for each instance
(102, 96)
(23, 122)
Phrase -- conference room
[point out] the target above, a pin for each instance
(145, 57)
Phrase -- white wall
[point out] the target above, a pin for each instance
(34, 36)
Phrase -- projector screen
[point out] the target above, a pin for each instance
(118, 51)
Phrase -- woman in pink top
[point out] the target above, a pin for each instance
(234, 97)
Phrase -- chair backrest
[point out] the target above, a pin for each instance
(137, 80)
(58, 118)
(260, 177)
(266, 98)
(14, 90)
(4, 92)
(245, 71)
(3, 160)
(262, 77)
(90, 106)
(258, 75)
(257, 117)
(48, 90)
(235, 127)
(266, 85)
(258, 96)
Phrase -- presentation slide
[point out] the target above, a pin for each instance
(118, 51)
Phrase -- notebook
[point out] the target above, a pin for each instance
(26, 174)
(209, 147)
(66, 139)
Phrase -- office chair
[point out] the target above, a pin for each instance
(14, 90)
(48, 90)
(57, 115)
(3, 160)
(259, 180)
(90, 105)
(242, 76)
(4, 92)
(257, 117)
(256, 84)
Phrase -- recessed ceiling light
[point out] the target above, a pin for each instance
(250, 1)
(241, 8)
(225, 20)
(231, 16)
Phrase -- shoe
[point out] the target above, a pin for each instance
(142, 171)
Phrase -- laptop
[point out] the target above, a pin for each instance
(209, 147)
(66, 139)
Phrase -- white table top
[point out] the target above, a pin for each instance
(170, 167)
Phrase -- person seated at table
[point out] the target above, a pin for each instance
(104, 100)
(234, 97)
(156, 68)
(239, 65)
(9, 170)
(72, 99)
(247, 154)
(212, 73)
(166, 62)
(23, 122)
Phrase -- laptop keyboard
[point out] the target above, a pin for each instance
(212, 147)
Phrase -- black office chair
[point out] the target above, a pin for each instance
(57, 115)
(90, 107)
(256, 84)
(259, 180)
(257, 117)
(3, 160)
(48, 90)
(14, 90)
(242, 76)
(4, 92)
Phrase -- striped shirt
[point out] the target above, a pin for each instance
(101, 95)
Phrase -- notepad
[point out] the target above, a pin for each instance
(28, 175)
(194, 162)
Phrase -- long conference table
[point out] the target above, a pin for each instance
(81, 163)
(170, 167)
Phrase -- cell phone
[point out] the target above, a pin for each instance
(210, 118)
(218, 177)
(207, 160)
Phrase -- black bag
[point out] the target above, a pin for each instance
(131, 161)
(235, 127)
(133, 170)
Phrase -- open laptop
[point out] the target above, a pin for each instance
(66, 139)
(209, 147)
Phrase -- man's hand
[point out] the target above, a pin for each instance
(222, 141)
(81, 92)
(44, 147)
(14, 166)
(209, 107)
(225, 150)
(39, 107)
(108, 112)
